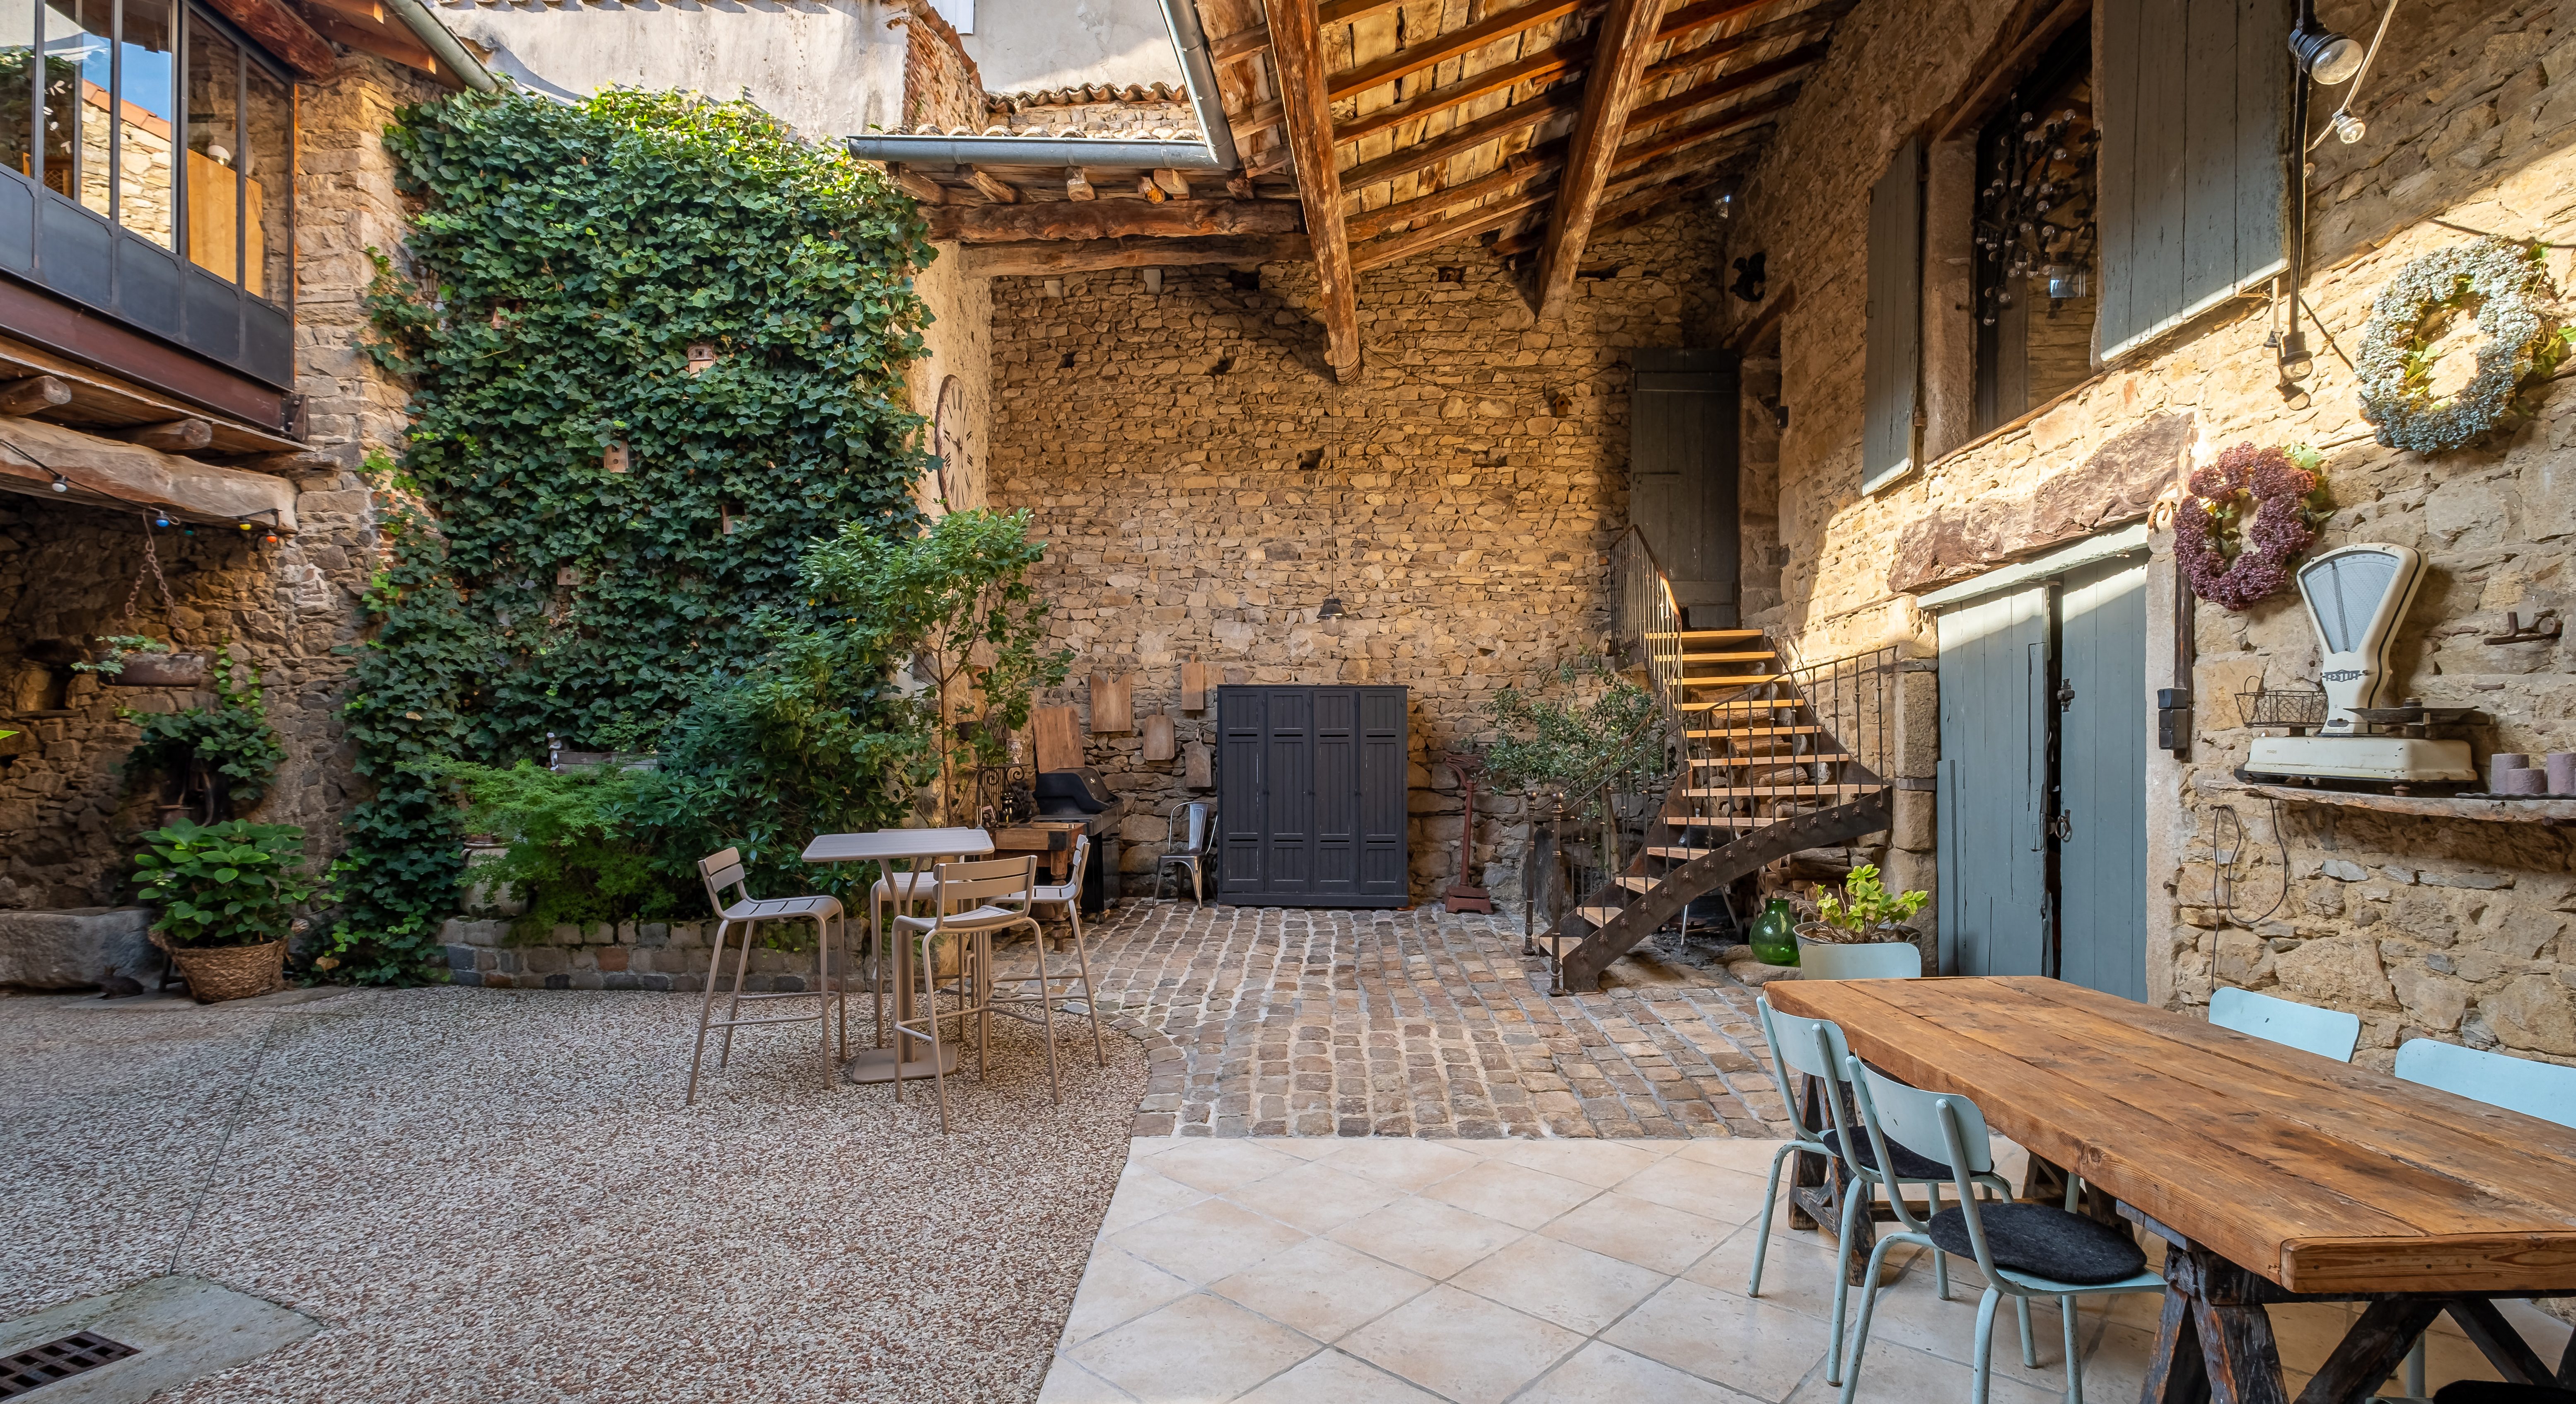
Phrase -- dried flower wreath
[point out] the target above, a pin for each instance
(2265, 497)
(2510, 290)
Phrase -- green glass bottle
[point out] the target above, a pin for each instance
(1775, 935)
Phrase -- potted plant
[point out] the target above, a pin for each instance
(227, 895)
(133, 660)
(1865, 912)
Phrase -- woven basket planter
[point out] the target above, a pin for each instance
(218, 973)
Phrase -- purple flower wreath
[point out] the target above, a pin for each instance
(2278, 532)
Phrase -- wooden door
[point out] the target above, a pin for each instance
(1993, 783)
(1682, 460)
(2102, 778)
(1311, 785)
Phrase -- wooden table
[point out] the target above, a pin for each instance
(2275, 1175)
(916, 849)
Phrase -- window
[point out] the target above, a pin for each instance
(1892, 337)
(2033, 264)
(238, 117)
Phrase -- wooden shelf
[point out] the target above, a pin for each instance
(2555, 810)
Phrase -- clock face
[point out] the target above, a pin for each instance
(948, 440)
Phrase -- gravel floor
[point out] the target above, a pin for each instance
(496, 1195)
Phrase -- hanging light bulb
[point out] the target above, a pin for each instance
(2324, 55)
(60, 483)
(2349, 128)
(1331, 608)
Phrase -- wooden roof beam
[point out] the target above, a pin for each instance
(1618, 70)
(1798, 24)
(1297, 56)
(1635, 204)
(1246, 43)
(1538, 67)
(1727, 85)
(1047, 257)
(1434, 233)
(1107, 219)
(1465, 137)
(1440, 48)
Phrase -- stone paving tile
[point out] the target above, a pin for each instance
(1301, 1022)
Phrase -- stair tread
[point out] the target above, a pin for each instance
(1636, 884)
(1760, 791)
(1801, 759)
(1716, 733)
(1734, 679)
(1744, 656)
(1759, 704)
(1687, 635)
(1598, 916)
(1668, 850)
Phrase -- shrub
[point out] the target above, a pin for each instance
(222, 756)
(230, 884)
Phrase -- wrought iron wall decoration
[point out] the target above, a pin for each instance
(2034, 217)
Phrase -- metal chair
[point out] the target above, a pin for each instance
(1882, 960)
(2049, 1244)
(723, 870)
(970, 902)
(2543, 1090)
(1816, 1048)
(1196, 842)
(1066, 894)
(2328, 1033)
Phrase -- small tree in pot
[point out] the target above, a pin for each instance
(227, 895)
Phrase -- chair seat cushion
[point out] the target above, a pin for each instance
(1909, 1166)
(2045, 1241)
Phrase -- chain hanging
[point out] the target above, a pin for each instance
(151, 569)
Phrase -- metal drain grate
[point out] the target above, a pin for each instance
(74, 1354)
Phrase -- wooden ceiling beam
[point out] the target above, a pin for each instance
(1519, 169)
(1640, 208)
(1465, 137)
(1627, 35)
(1797, 25)
(1297, 57)
(1538, 67)
(1440, 48)
(1108, 219)
(1434, 233)
(1047, 257)
(1706, 14)
(1726, 123)
(1257, 39)
(1727, 85)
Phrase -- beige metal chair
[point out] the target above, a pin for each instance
(1189, 850)
(969, 902)
(1068, 895)
(724, 870)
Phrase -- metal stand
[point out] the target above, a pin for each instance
(1464, 895)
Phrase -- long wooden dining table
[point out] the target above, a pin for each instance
(2272, 1175)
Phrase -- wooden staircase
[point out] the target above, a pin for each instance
(1771, 760)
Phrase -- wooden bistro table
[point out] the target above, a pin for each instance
(917, 850)
(2274, 1175)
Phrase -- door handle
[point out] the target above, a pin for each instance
(2062, 826)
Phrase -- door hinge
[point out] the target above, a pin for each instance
(2066, 694)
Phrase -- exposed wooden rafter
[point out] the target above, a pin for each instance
(1538, 67)
(1431, 234)
(1108, 219)
(1727, 85)
(1047, 257)
(1631, 206)
(1618, 68)
(1439, 48)
(1464, 137)
(1297, 56)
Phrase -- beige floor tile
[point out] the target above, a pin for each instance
(1750, 1347)
(1634, 1231)
(1462, 1346)
(1741, 1154)
(2448, 1357)
(1217, 1163)
(1798, 1274)
(1314, 1196)
(2115, 1361)
(1911, 1313)
(1605, 1374)
(1433, 1239)
(1710, 1191)
(1208, 1240)
(1116, 1289)
(1323, 1289)
(1500, 1190)
(1574, 1287)
(1330, 1377)
(1900, 1376)
(1402, 1162)
(1145, 1147)
(1197, 1350)
(2308, 1332)
(1145, 1194)
(1599, 1164)
(1306, 1147)
(1068, 1383)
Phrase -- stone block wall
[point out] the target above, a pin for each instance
(649, 955)
(1202, 485)
(67, 815)
(2428, 928)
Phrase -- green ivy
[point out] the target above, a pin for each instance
(223, 756)
(565, 260)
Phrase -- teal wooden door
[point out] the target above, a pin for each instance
(1991, 805)
(2102, 778)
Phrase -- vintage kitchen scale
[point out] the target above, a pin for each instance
(2356, 595)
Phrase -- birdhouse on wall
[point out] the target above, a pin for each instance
(613, 457)
(702, 354)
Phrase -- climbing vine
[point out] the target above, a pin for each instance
(654, 345)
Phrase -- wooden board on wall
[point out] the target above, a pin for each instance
(1158, 737)
(1111, 708)
(1194, 686)
(1197, 770)
(1057, 737)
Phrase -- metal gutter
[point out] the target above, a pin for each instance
(1198, 75)
(443, 44)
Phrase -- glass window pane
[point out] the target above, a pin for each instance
(77, 75)
(145, 110)
(267, 159)
(214, 140)
(17, 85)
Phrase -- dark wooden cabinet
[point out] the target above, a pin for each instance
(1310, 785)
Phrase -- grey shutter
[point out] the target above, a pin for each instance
(1312, 793)
(1990, 809)
(1893, 338)
(2194, 167)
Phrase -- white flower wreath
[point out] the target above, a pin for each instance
(2514, 300)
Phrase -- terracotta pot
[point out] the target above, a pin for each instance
(160, 670)
(218, 973)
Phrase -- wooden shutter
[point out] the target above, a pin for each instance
(2194, 168)
(1312, 789)
(1682, 463)
(1893, 339)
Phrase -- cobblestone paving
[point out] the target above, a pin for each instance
(1297, 1022)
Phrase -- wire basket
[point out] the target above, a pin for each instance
(2282, 706)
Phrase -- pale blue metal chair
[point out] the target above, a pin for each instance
(2024, 1250)
(2543, 1090)
(1883, 960)
(2328, 1033)
(1815, 1047)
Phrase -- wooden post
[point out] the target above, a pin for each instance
(1297, 54)
(1609, 90)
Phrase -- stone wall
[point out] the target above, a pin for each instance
(67, 815)
(2443, 928)
(1202, 485)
